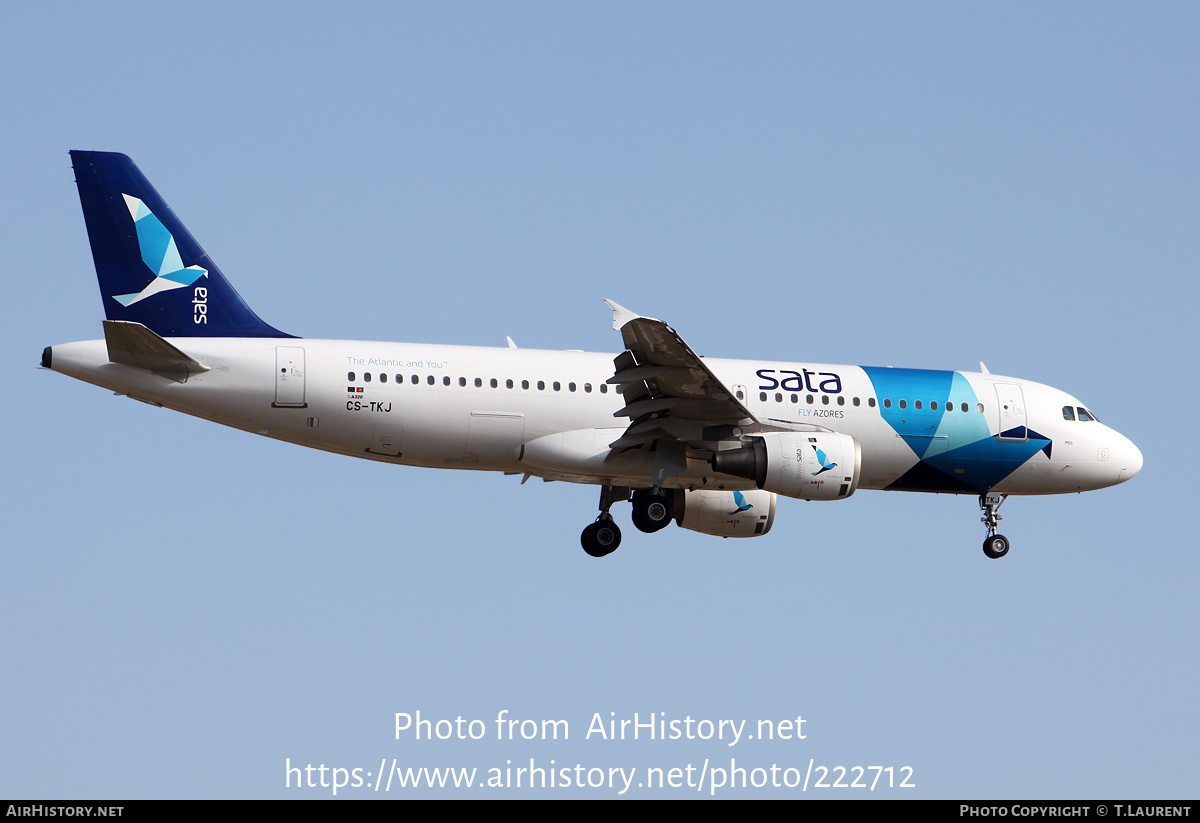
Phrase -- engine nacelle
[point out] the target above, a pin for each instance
(805, 465)
(725, 513)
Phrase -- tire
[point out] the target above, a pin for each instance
(651, 512)
(601, 538)
(996, 546)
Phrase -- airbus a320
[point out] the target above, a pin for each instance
(707, 443)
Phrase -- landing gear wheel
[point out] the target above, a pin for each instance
(601, 538)
(651, 511)
(995, 546)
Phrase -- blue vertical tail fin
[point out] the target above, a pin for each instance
(151, 270)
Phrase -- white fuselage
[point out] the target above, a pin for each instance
(550, 413)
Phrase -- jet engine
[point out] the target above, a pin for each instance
(725, 513)
(805, 465)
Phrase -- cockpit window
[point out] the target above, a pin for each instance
(1068, 413)
(1084, 415)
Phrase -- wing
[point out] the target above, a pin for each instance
(665, 383)
(673, 400)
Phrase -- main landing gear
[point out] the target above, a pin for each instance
(604, 536)
(652, 511)
(995, 545)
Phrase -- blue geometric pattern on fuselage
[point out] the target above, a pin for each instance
(955, 450)
(986, 462)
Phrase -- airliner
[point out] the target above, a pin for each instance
(707, 443)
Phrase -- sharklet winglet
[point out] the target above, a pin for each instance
(621, 315)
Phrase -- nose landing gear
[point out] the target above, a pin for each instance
(995, 545)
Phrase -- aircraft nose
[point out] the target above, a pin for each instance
(1129, 459)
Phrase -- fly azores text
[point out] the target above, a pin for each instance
(804, 380)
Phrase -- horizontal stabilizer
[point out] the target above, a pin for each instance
(132, 344)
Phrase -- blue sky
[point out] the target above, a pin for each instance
(929, 186)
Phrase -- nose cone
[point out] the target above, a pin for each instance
(1129, 459)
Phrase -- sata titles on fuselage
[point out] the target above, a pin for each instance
(803, 380)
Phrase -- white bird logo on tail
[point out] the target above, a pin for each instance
(159, 253)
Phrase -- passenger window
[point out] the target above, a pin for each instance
(979, 407)
(841, 400)
(587, 387)
(571, 386)
(1084, 415)
(808, 398)
(964, 407)
(887, 402)
(415, 380)
(367, 377)
(739, 394)
(855, 401)
(778, 397)
(904, 404)
(462, 381)
(430, 380)
(382, 378)
(933, 405)
(604, 388)
(871, 402)
(541, 385)
(495, 384)
(762, 395)
(508, 384)
(917, 405)
(824, 400)
(525, 384)
(1068, 413)
(446, 380)
(620, 389)
(479, 382)
(795, 398)
(350, 376)
(557, 386)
